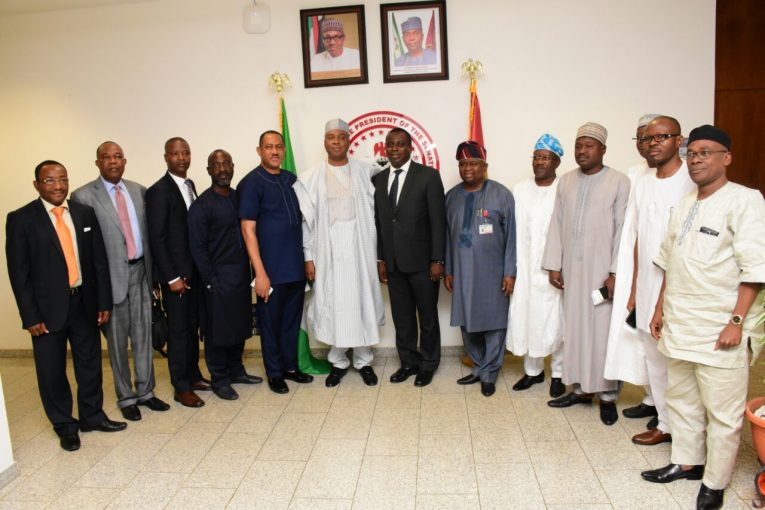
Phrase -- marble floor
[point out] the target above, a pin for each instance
(389, 447)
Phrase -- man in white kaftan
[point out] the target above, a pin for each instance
(655, 195)
(714, 266)
(580, 256)
(536, 311)
(340, 248)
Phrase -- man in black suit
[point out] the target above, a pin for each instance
(167, 204)
(411, 226)
(60, 277)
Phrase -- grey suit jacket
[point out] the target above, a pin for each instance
(95, 195)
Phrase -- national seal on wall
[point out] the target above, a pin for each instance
(368, 132)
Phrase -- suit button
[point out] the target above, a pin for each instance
(394, 220)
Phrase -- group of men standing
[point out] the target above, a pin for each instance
(585, 268)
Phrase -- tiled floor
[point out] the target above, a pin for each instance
(390, 446)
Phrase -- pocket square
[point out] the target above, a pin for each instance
(86, 229)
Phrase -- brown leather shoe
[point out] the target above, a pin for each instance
(652, 437)
(201, 385)
(188, 399)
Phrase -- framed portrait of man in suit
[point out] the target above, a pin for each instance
(414, 41)
(334, 46)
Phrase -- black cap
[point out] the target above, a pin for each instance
(707, 132)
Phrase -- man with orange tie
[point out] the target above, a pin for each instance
(60, 277)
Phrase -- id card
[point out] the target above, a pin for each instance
(485, 228)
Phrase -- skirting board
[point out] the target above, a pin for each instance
(9, 475)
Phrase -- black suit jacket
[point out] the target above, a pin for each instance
(37, 267)
(412, 235)
(166, 216)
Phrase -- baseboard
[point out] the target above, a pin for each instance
(9, 475)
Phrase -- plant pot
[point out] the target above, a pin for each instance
(758, 426)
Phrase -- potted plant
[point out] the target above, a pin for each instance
(758, 423)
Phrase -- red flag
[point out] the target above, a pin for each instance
(475, 128)
(430, 39)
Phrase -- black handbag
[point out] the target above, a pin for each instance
(158, 324)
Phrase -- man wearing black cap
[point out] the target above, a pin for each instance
(714, 263)
(480, 263)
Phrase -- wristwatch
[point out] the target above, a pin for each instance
(736, 320)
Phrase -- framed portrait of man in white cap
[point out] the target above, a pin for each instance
(414, 41)
(334, 46)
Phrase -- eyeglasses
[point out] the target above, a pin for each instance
(543, 159)
(657, 138)
(702, 155)
(333, 38)
(50, 181)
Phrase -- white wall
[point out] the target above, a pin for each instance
(141, 73)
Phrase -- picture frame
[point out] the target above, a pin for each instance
(340, 56)
(414, 42)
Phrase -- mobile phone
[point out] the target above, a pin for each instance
(631, 320)
(600, 295)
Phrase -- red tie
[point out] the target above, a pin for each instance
(124, 217)
(65, 238)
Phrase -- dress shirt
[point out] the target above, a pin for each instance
(111, 189)
(70, 225)
(184, 189)
(401, 177)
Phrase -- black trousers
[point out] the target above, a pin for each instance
(182, 336)
(279, 322)
(224, 362)
(50, 363)
(413, 294)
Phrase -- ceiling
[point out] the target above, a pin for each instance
(26, 6)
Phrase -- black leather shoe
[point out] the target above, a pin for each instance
(640, 411)
(709, 499)
(652, 423)
(335, 376)
(469, 379)
(557, 388)
(402, 374)
(527, 381)
(672, 472)
(70, 442)
(608, 414)
(278, 385)
(201, 385)
(105, 426)
(298, 377)
(246, 379)
(226, 393)
(155, 404)
(131, 412)
(423, 378)
(570, 400)
(488, 389)
(368, 376)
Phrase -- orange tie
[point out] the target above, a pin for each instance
(65, 238)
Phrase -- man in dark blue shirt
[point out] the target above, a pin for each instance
(272, 229)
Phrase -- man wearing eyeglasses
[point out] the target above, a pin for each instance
(655, 195)
(536, 313)
(713, 259)
(337, 59)
(60, 277)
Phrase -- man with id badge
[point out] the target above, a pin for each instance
(714, 265)
(480, 263)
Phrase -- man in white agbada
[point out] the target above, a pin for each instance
(580, 256)
(625, 358)
(713, 259)
(340, 247)
(336, 56)
(656, 194)
(536, 313)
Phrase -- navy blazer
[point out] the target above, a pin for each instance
(37, 267)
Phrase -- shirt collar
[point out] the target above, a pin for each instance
(49, 207)
(110, 185)
(404, 167)
(180, 181)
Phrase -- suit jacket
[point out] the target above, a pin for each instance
(95, 195)
(37, 267)
(168, 231)
(412, 235)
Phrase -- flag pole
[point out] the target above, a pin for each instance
(474, 69)
(306, 362)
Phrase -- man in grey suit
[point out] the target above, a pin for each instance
(119, 206)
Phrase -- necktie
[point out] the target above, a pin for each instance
(191, 191)
(393, 193)
(127, 229)
(65, 238)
